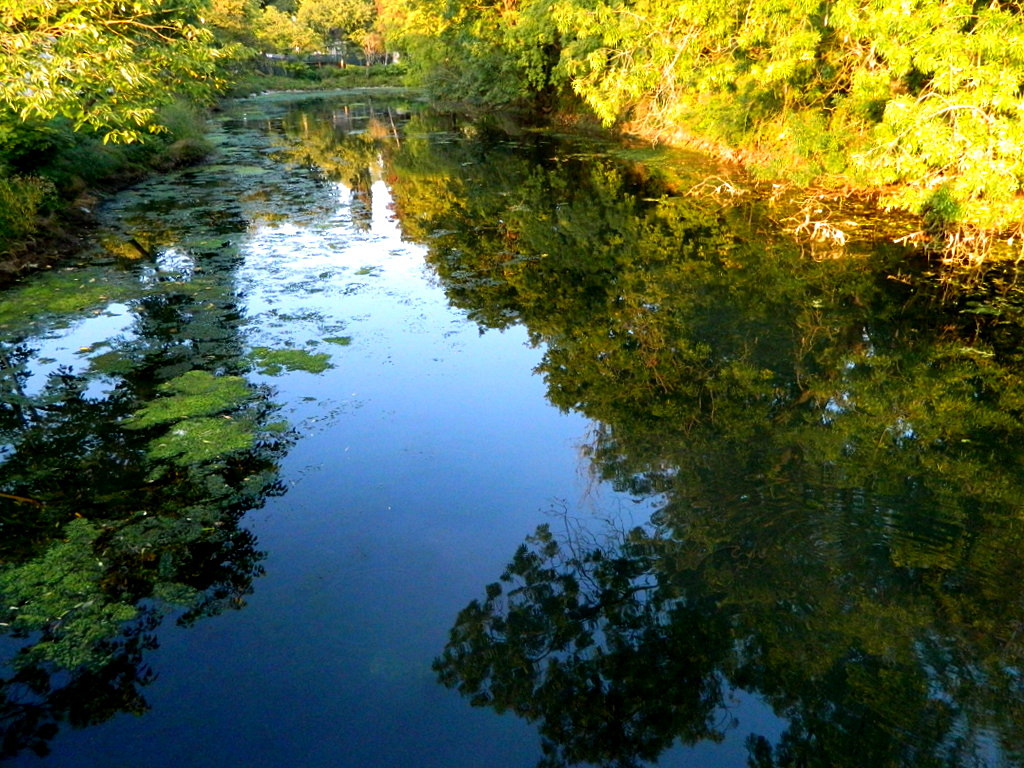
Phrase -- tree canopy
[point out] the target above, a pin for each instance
(336, 20)
(918, 100)
(106, 65)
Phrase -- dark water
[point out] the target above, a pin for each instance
(390, 440)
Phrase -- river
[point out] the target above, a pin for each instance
(386, 438)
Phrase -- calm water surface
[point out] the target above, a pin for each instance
(389, 440)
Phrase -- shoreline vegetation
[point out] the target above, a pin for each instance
(46, 205)
(917, 105)
(909, 112)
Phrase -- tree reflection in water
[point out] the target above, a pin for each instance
(123, 507)
(584, 640)
(834, 447)
(125, 475)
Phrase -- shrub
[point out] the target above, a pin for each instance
(22, 200)
(184, 142)
(182, 121)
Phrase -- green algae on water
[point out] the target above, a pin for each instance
(193, 394)
(236, 170)
(61, 294)
(111, 363)
(62, 590)
(273, 362)
(199, 440)
(196, 403)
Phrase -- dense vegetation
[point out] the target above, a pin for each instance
(919, 100)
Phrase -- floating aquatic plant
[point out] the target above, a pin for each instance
(193, 394)
(60, 294)
(199, 440)
(114, 362)
(273, 362)
(62, 591)
(197, 404)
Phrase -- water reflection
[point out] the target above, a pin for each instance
(835, 448)
(137, 426)
(127, 463)
(832, 447)
(119, 509)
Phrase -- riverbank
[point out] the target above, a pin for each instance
(828, 218)
(827, 209)
(829, 214)
(915, 107)
(56, 176)
(326, 78)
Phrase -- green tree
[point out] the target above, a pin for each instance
(337, 21)
(104, 64)
(919, 101)
(280, 32)
(233, 21)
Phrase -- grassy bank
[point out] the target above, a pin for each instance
(51, 178)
